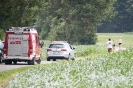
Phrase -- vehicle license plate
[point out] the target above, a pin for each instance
(55, 52)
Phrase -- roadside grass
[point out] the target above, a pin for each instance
(8, 75)
(5, 76)
(87, 51)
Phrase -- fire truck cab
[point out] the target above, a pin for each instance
(22, 44)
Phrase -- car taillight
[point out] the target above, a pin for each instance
(63, 49)
(49, 49)
(31, 50)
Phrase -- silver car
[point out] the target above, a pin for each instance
(60, 50)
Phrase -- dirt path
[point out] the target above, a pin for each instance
(117, 49)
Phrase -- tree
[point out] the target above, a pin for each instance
(2, 34)
(123, 21)
(75, 20)
(19, 12)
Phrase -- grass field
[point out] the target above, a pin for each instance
(100, 48)
(127, 38)
(98, 65)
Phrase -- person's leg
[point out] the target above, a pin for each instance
(109, 50)
(119, 46)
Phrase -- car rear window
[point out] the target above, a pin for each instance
(56, 46)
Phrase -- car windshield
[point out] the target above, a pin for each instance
(56, 46)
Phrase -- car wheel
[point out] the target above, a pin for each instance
(73, 58)
(68, 57)
(54, 59)
(48, 59)
(31, 62)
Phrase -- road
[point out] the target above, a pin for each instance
(4, 67)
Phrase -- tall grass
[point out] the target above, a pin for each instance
(89, 50)
(44, 48)
(107, 71)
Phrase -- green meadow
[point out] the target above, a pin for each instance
(97, 70)
(100, 48)
(127, 38)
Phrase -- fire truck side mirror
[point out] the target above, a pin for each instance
(41, 44)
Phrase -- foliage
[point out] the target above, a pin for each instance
(123, 21)
(19, 12)
(8, 75)
(71, 19)
(104, 71)
(44, 49)
(89, 50)
(2, 34)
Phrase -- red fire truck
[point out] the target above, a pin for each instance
(22, 44)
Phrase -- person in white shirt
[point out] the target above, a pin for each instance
(110, 46)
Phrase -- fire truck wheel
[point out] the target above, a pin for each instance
(8, 62)
(54, 59)
(31, 62)
(14, 62)
(38, 61)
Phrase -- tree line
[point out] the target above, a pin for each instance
(76, 21)
(123, 21)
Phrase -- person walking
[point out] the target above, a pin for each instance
(120, 43)
(109, 45)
